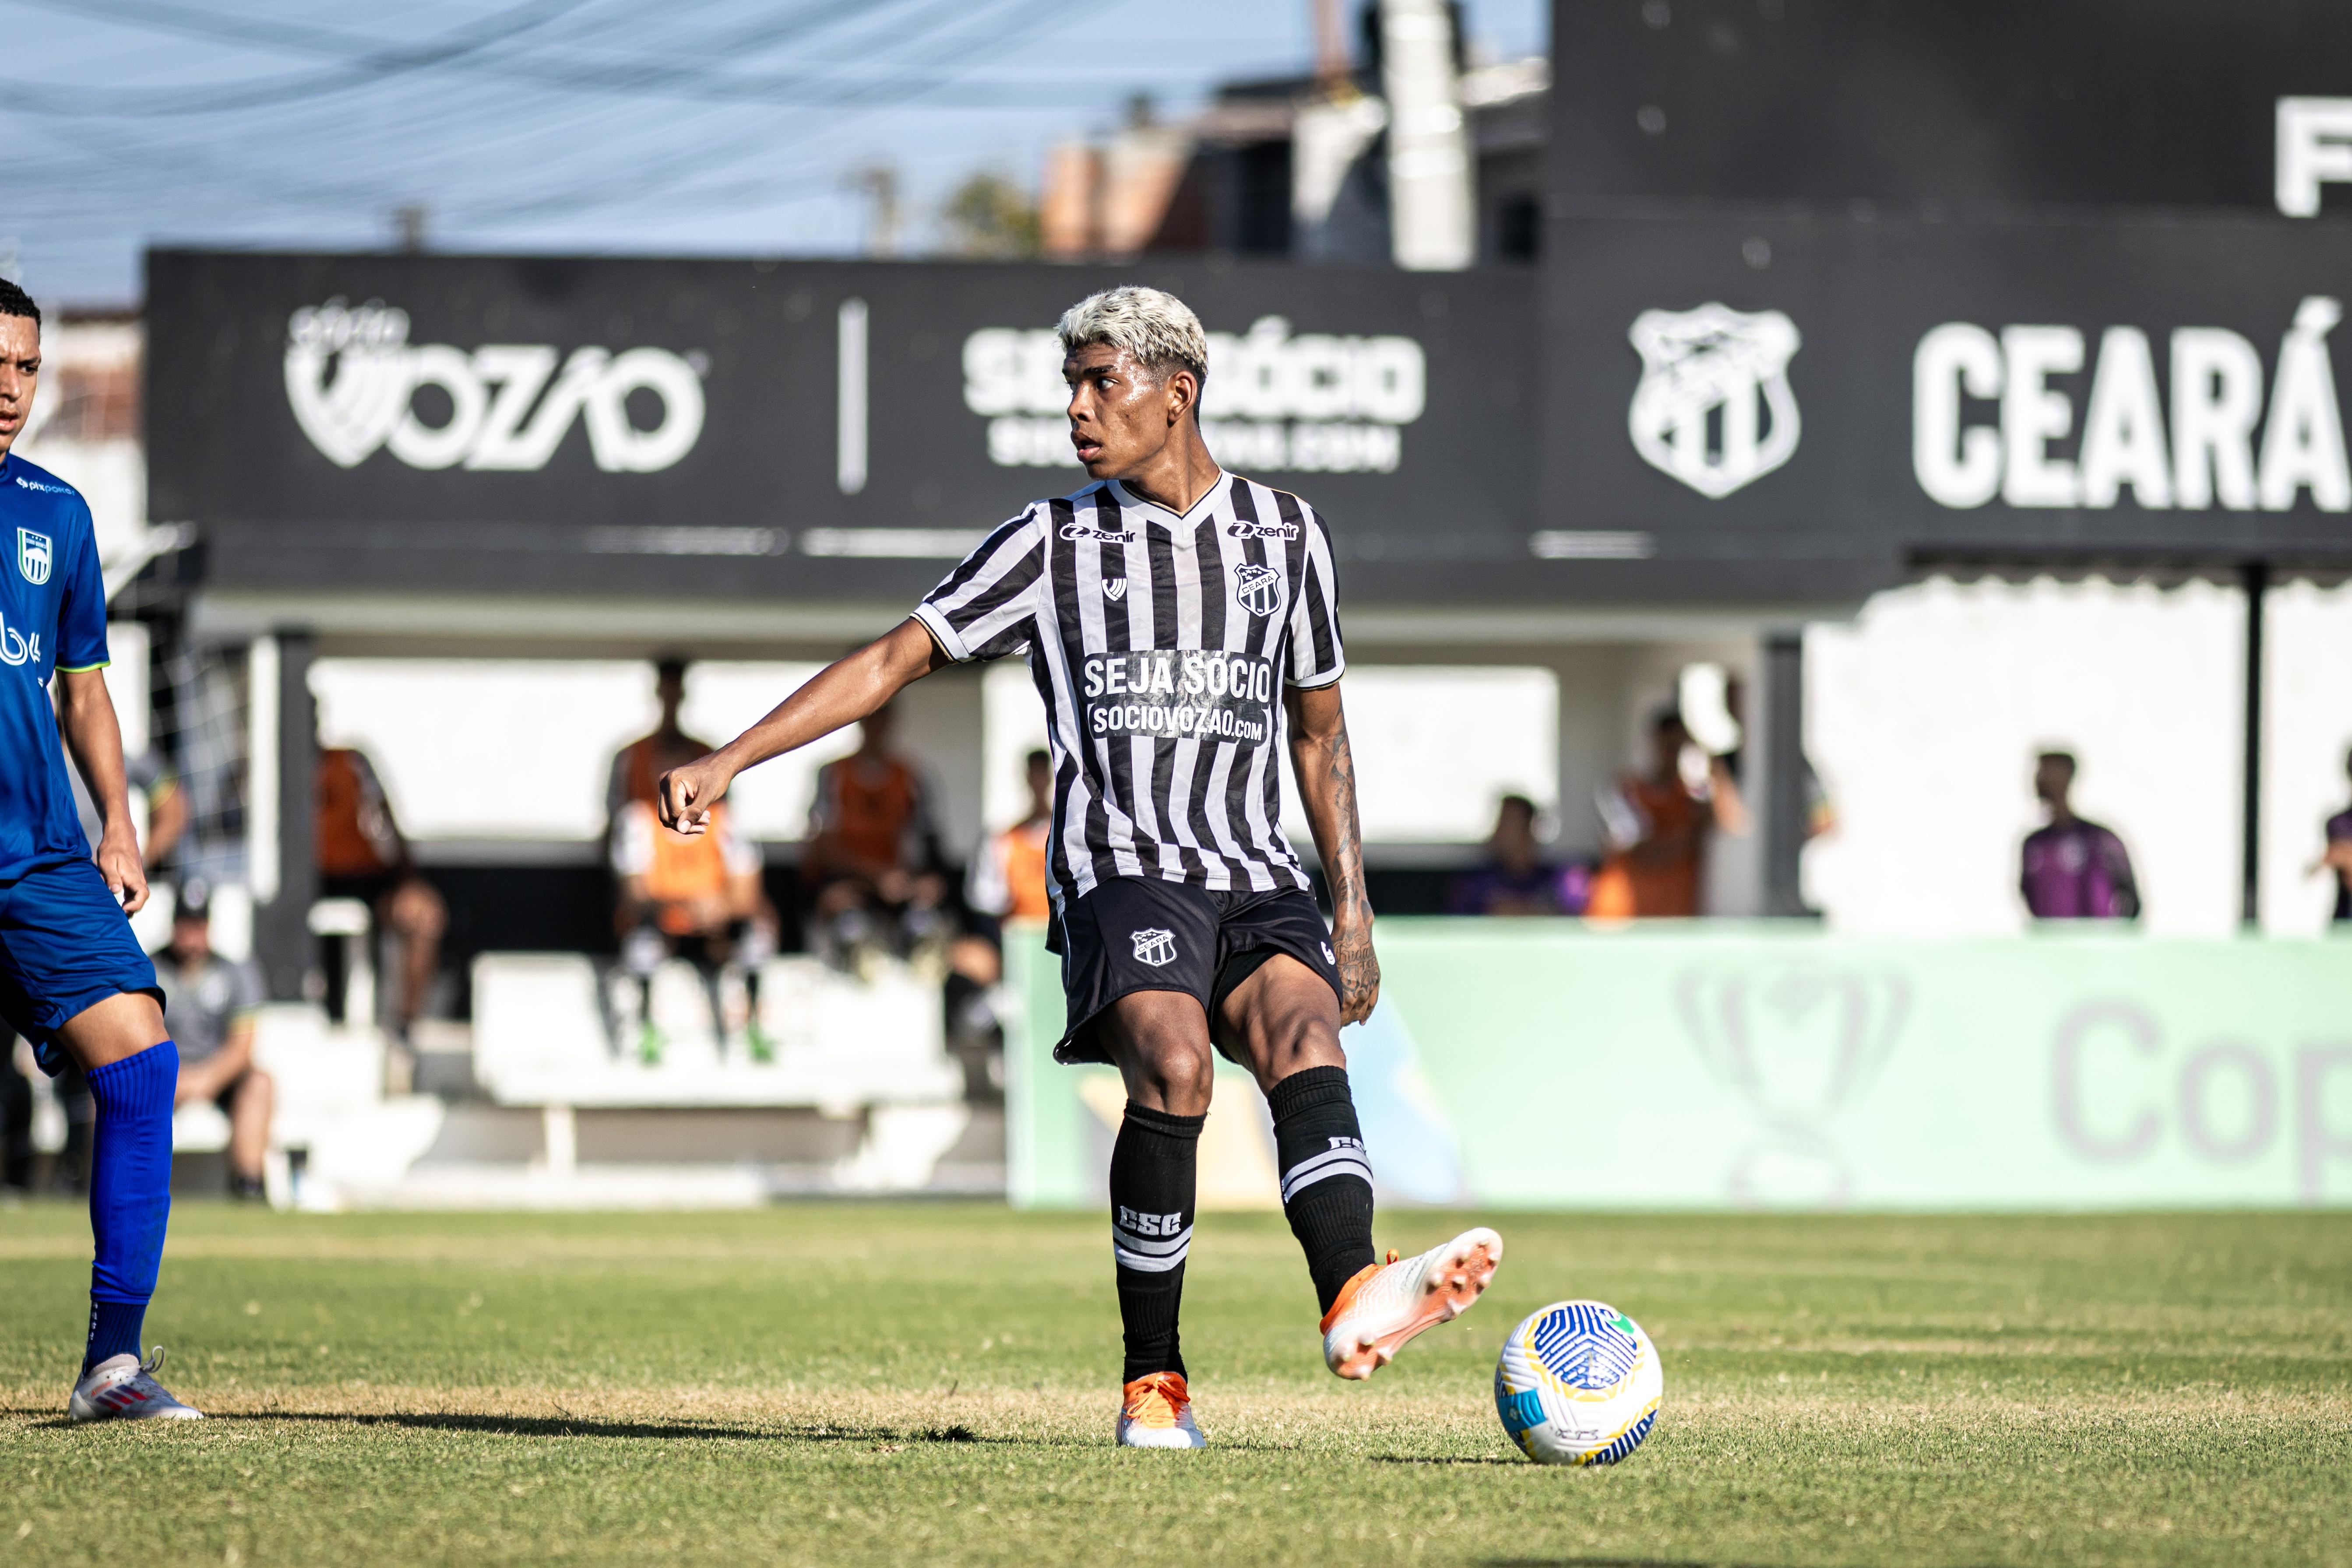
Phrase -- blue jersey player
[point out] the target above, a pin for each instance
(72, 980)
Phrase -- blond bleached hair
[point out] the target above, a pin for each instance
(1158, 329)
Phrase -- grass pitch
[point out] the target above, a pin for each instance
(889, 1383)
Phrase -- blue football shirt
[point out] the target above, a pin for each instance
(52, 617)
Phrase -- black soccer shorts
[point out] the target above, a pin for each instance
(1143, 934)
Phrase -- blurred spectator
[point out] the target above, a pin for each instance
(638, 766)
(1713, 708)
(698, 898)
(2074, 870)
(16, 1119)
(362, 855)
(1515, 880)
(1727, 778)
(871, 819)
(2338, 856)
(1007, 881)
(1008, 875)
(1657, 825)
(870, 865)
(209, 1004)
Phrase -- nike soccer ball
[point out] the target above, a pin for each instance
(1577, 1384)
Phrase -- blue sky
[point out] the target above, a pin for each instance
(690, 126)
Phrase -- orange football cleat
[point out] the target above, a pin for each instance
(1156, 1412)
(1387, 1304)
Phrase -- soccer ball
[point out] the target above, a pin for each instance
(1577, 1384)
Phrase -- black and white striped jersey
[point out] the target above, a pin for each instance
(1160, 644)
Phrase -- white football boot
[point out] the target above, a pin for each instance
(123, 1388)
(1388, 1304)
(1156, 1412)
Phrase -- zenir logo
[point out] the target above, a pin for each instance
(1262, 530)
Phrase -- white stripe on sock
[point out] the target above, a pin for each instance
(1337, 1162)
(1147, 1263)
(1134, 1243)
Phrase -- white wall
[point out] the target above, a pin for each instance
(1923, 719)
(1435, 747)
(488, 749)
(723, 699)
(941, 725)
(472, 749)
(1593, 703)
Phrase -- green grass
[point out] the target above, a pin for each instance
(853, 1383)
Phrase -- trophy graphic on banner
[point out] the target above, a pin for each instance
(1801, 1042)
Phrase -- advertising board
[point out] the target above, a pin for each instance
(805, 430)
(1546, 1065)
(1685, 406)
(1755, 399)
(1970, 107)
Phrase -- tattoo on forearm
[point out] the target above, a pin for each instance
(1359, 970)
(1346, 853)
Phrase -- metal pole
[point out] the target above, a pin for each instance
(281, 923)
(1784, 773)
(2256, 577)
(1433, 214)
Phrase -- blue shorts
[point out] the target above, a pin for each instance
(64, 944)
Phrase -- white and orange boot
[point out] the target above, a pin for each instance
(1388, 1304)
(1156, 1412)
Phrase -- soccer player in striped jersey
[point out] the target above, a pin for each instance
(1181, 625)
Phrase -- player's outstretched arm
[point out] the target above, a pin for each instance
(86, 718)
(843, 692)
(1325, 771)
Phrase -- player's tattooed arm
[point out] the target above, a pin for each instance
(1326, 769)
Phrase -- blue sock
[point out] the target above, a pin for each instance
(129, 1193)
(113, 1331)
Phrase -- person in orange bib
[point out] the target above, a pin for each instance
(869, 866)
(696, 898)
(638, 764)
(362, 855)
(1658, 852)
(1008, 875)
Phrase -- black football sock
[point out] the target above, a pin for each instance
(1326, 1182)
(1152, 1168)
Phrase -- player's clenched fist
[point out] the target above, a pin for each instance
(1359, 970)
(687, 794)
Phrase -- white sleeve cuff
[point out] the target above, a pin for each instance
(950, 640)
(1317, 682)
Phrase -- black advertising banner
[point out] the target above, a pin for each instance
(1695, 408)
(1751, 405)
(789, 429)
(1965, 107)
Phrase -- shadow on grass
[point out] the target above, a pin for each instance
(561, 1425)
(1604, 1562)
